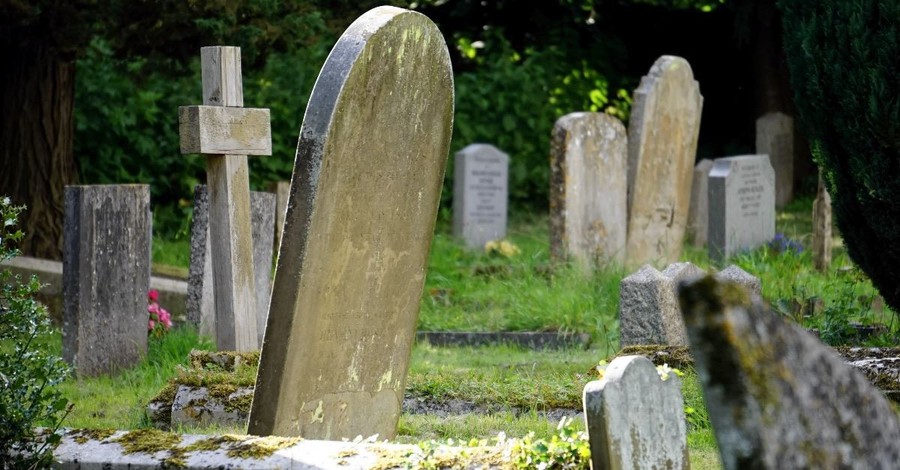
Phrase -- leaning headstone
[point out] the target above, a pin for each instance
(662, 144)
(777, 398)
(106, 277)
(741, 205)
(201, 303)
(480, 193)
(364, 197)
(775, 138)
(226, 133)
(821, 239)
(588, 175)
(698, 216)
(634, 418)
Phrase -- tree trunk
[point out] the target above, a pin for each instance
(37, 90)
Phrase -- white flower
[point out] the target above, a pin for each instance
(5, 201)
(663, 371)
(9, 222)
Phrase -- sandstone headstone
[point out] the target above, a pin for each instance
(480, 193)
(201, 302)
(364, 197)
(634, 419)
(662, 144)
(106, 277)
(588, 183)
(698, 216)
(777, 397)
(821, 240)
(775, 138)
(741, 205)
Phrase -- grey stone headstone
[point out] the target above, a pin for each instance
(775, 138)
(662, 145)
(480, 193)
(106, 277)
(648, 306)
(698, 216)
(821, 239)
(741, 205)
(201, 303)
(742, 278)
(634, 419)
(777, 397)
(364, 197)
(588, 183)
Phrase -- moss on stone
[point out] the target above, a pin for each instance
(260, 448)
(82, 436)
(148, 441)
(678, 357)
(167, 394)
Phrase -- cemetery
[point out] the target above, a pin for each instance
(385, 239)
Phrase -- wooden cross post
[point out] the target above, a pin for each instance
(226, 133)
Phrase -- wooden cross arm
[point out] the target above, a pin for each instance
(221, 130)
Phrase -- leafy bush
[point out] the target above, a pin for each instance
(842, 56)
(28, 375)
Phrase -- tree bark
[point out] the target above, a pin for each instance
(37, 89)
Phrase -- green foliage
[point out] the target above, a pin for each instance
(846, 78)
(28, 374)
(568, 449)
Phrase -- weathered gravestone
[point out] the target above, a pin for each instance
(480, 193)
(778, 398)
(106, 277)
(201, 300)
(226, 133)
(282, 194)
(364, 198)
(634, 419)
(698, 215)
(662, 144)
(775, 138)
(648, 302)
(821, 240)
(741, 205)
(588, 176)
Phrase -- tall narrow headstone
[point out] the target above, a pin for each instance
(106, 277)
(364, 198)
(226, 133)
(480, 193)
(775, 138)
(201, 300)
(821, 242)
(634, 418)
(588, 183)
(698, 216)
(662, 144)
(282, 193)
(778, 398)
(741, 205)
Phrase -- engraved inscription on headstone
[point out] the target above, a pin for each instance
(480, 194)
(741, 204)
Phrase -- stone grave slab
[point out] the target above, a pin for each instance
(480, 193)
(662, 144)
(698, 216)
(588, 190)
(358, 228)
(741, 205)
(775, 138)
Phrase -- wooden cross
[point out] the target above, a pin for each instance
(226, 133)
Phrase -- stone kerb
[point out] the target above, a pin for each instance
(588, 190)
(480, 194)
(741, 205)
(777, 397)
(634, 419)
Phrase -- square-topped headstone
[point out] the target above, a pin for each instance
(358, 228)
(480, 187)
(741, 205)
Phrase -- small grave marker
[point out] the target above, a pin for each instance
(226, 133)
(821, 241)
(775, 138)
(698, 216)
(741, 205)
(480, 187)
(588, 183)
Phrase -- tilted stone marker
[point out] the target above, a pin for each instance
(634, 419)
(778, 398)
(282, 191)
(364, 198)
(106, 277)
(226, 133)
(698, 215)
(662, 144)
(201, 301)
(775, 138)
(821, 240)
(480, 193)
(741, 205)
(588, 184)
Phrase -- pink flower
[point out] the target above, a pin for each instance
(153, 308)
(152, 324)
(153, 295)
